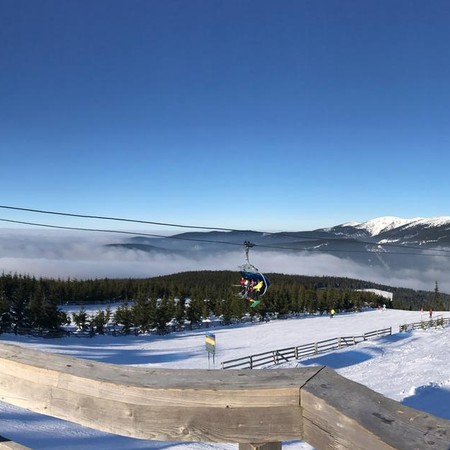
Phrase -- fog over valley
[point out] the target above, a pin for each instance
(81, 255)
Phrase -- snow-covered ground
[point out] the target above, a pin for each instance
(412, 368)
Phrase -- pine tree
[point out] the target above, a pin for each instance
(194, 311)
(124, 316)
(5, 317)
(144, 313)
(81, 319)
(20, 313)
(437, 303)
(100, 320)
(163, 315)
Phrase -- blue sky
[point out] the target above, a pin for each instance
(266, 115)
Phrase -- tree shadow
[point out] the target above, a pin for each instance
(432, 399)
(396, 338)
(338, 360)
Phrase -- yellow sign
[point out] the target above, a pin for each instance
(210, 341)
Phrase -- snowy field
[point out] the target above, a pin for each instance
(413, 368)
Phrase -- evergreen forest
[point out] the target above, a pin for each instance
(29, 304)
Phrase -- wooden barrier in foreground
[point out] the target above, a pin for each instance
(256, 408)
(6, 444)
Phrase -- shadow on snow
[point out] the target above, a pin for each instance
(432, 399)
(338, 360)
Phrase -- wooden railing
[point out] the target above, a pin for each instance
(274, 357)
(255, 408)
(437, 322)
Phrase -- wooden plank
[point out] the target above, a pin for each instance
(173, 405)
(314, 404)
(6, 444)
(261, 446)
(339, 413)
(47, 363)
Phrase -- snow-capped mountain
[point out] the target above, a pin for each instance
(374, 226)
(419, 230)
(374, 235)
(415, 250)
(386, 242)
(384, 224)
(389, 224)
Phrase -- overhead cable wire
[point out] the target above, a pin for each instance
(132, 233)
(211, 241)
(166, 224)
(119, 219)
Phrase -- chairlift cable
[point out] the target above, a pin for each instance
(435, 252)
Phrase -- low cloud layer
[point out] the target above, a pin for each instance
(82, 256)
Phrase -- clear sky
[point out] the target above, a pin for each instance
(248, 114)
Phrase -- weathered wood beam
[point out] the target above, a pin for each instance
(257, 408)
(171, 405)
(339, 413)
(6, 444)
(263, 446)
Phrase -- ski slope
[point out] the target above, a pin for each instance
(412, 368)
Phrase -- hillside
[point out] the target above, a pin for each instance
(28, 304)
(408, 367)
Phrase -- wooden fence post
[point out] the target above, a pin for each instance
(262, 446)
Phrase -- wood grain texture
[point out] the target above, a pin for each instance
(6, 444)
(250, 407)
(173, 405)
(261, 446)
(339, 413)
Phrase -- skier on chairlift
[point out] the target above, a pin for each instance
(253, 283)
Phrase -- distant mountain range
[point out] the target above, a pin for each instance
(387, 242)
(412, 253)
